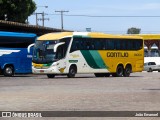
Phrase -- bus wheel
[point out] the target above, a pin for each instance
(127, 71)
(50, 75)
(119, 71)
(8, 71)
(72, 72)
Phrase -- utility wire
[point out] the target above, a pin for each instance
(130, 16)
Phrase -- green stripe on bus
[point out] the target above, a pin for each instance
(49, 64)
(73, 61)
(89, 59)
(98, 59)
(81, 36)
(94, 59)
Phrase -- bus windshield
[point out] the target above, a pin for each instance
(44, 51)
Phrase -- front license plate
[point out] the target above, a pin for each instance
(41, 71)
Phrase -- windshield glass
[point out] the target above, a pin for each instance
(44, 50)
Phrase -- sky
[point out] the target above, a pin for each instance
(97, 9)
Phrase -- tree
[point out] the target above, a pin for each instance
(133, 30)
(16, 10)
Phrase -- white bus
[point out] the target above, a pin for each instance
(151, 48)
(69, 53)
(152, 55)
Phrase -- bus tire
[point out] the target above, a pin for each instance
(127, 71)
(119, 71)
(72, 71)
(50, 75)
(8, 71)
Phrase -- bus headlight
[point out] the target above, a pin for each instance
(55, 64)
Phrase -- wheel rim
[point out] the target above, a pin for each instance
(127, 72)
(120, 71)
(9, 70)
(72, 71)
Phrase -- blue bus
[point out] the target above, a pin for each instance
(16, 53)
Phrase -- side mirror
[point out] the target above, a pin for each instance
(57, 45)
(29, 47)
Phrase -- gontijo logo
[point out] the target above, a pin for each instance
(117, 54)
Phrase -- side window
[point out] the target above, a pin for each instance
(75, 45)
(153, 63)
(130, 45)
(97, 44)
(110, 44)
(137, 44)
(16, 42)
(117, 44)
(60, 52)
(123, 45)
(78, 44)
(86, 44)
(65, 46)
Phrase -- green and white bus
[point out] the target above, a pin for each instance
(69, 53)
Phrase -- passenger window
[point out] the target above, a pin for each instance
(110, 45)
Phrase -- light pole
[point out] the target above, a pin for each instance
(42, 19)
(62, 11)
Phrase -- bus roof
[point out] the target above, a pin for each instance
(103, 35)
(15, 38)
(16, 34)
(55, 36)
(149, 36)
(59, 35)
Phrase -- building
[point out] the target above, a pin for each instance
(25, 28)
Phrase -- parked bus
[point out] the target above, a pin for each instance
(14, 56)
(68, 53)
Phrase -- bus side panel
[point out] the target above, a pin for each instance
(25, 65)
(103, 61)
(19, 58)
(113, 58)
(88, 61)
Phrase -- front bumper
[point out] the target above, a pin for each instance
(50, 70)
